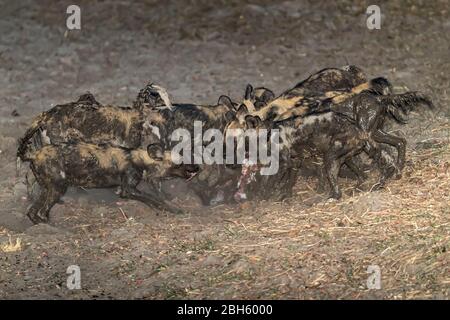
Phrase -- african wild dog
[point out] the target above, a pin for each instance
(364, 115)
(212, 180)
(306, 98)
(307, 94)
(291, 104)
(370, 110)
(184, 115)
(214, 183)
(329, 135)
(269, 186)
(207, 183)
(88, 121)
(56, 167)
(339, 138)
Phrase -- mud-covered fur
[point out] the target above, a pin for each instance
(83, 121)
(328, 136)
(369, 111)
(56, 167)
(145, 123)
(88, 121)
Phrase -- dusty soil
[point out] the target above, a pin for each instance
(303, 248)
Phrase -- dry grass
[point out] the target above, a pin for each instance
(11, 246)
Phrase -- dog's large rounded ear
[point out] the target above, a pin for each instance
(249, 93)
(267, 95)
(155, 151)
(226, 101)
(242, 110)
(263, 96)
(253, 122)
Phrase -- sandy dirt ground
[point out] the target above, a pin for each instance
(304, 248)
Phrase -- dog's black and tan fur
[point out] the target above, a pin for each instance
(328, 137)
(334, 115)
(370, 110)
(148, 121)
(57, 167)
(344, 128)
(81, 121)
(305, 97)
(88, 121)
(212, 180)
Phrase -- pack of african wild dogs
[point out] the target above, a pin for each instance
(330, 124)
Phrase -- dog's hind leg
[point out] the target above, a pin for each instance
(40, 210)
(360, 174)
(397, 142)
(339, 153)
(332, 166)
(130, 191)
(387, 167)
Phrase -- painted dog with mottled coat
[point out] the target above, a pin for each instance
(59, 166)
